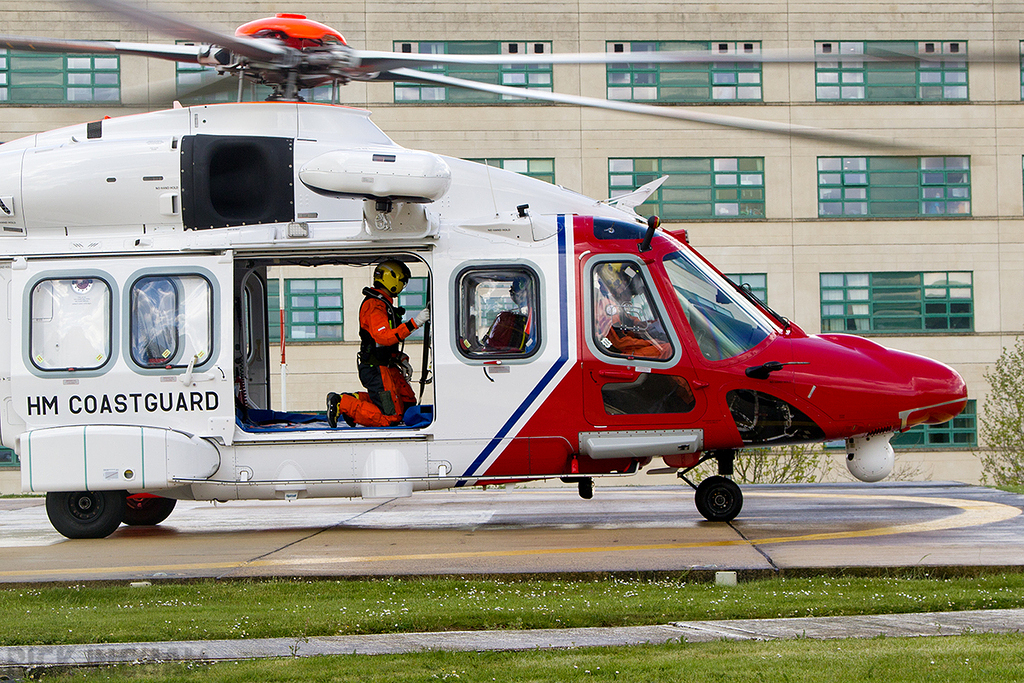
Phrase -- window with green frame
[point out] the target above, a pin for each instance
(685, 81)
(542, 169)
(889, 71)
(897, 302)
(8, 458)
(532, 76)
(197, 84)
(40, 78)
(757, 282)
(960, 432)
(894, 186)
(413, 299)
(314, 310)
(696, 188)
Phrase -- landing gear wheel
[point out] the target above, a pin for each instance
(86, 514)
(147, 511)
(719, 499)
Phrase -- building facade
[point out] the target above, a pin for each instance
(917, 243)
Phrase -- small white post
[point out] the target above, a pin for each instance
(725, 578)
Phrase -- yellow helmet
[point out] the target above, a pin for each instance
(615, 275)
(392, 276)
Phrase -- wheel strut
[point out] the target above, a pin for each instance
(725, 459)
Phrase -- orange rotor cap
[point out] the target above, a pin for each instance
(294, 29)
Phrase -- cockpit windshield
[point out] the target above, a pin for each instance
(724, 323)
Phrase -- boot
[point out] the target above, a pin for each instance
(332, 409)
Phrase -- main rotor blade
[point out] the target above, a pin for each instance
(369, 61)
(258, 50)
(771, 127)
(178, 53)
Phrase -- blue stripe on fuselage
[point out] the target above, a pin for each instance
(563, 293)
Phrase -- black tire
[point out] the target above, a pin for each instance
(148, 511)
(719, 499)
(86, 514)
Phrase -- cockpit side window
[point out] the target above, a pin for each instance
(171, 321)
(724, 324)
(71, 325)
(498, 313)
(626, 323)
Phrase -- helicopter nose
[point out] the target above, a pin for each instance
(939, 392)
(871, 387)
(923, 391)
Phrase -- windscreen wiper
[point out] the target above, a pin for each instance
(754, 299)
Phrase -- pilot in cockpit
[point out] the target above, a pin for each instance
(624, 322)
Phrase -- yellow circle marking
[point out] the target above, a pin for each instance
(972, 513)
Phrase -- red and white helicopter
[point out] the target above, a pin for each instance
(136, 371)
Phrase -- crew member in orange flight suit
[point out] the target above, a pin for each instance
(383, 369)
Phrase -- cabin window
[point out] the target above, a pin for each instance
(626, 323)
(648, 394)
(71, 325)
(497, 313)
(171, 321)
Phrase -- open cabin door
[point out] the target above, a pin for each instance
(121, 369)
(252, 344)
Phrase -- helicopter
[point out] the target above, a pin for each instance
(141, 252)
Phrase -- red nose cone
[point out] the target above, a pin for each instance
(941, 390)
(865, 387)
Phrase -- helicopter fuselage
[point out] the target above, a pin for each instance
(177, 220)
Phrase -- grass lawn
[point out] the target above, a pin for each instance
(296, 608)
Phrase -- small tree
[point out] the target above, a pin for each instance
(1002, 419)
(794, 464)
